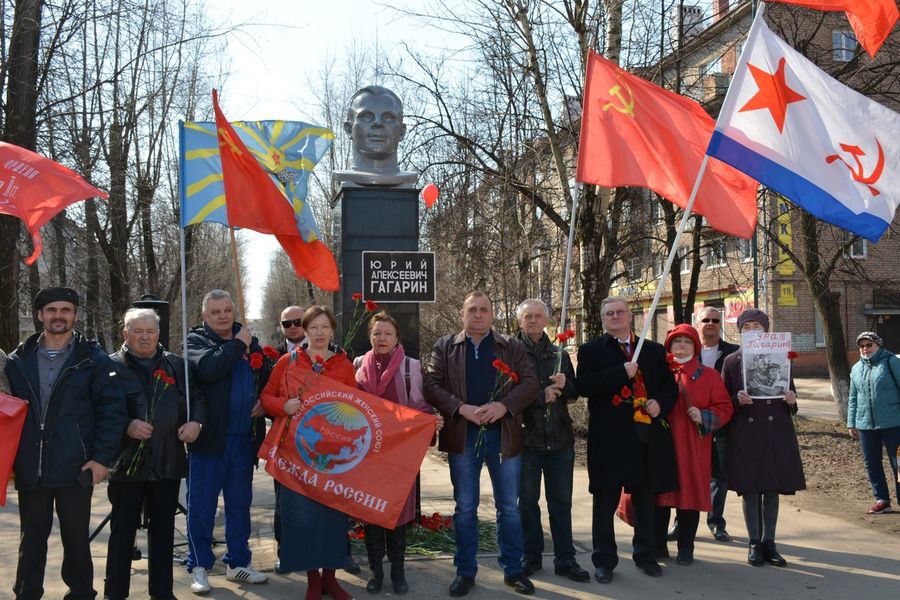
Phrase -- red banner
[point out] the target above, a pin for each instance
(12, 417)
(348, 449)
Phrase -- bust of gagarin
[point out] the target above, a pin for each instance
(375, 125)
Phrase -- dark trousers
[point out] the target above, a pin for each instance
(127, 498)
(380, 541)
(871, 442)
(718, 485)
(73, 508)
(603, 534)
(688, 520)
(556, 467)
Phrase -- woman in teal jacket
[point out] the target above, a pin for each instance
(873, 413)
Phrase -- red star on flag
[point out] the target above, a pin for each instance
(774, 93)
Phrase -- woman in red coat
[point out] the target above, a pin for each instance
(313, 536)
(703, 406)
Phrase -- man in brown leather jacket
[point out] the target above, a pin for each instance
(482, 409)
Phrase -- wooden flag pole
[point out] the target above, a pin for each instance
(237, 275)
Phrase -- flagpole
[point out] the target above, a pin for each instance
(237, 275)
(565, 298)
(668, 267)
(181, 247)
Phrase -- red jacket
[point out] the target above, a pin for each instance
(273, 397)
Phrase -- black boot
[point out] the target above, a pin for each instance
(396, 551)
(398, 579)
(771, 554)
(375, 550)
(755, 556)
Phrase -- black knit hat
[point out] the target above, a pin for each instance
(54, 294)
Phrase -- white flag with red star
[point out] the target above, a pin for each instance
(802, 133)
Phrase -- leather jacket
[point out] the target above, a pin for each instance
(549, 430)
(445, 389)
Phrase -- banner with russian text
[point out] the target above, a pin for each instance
(12, 417)
(348, 449)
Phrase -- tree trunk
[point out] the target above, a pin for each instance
(145, 193)
(829, 307)
(116, 254)
(19, 128)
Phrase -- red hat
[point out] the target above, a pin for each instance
(686, 330)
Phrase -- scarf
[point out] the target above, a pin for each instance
(368, 376)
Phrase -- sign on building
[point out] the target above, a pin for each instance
(398, 276)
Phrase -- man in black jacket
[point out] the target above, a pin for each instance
(629, 446)
(71, 436)
(231, 371)
(291, 328)
(154, 461)
(549, 448)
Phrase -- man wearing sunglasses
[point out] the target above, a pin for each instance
(712, 355)
(291, 319)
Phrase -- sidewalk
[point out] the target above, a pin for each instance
(828, 557)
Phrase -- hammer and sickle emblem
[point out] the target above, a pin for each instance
(627, 106)
(231, 143)
(859, 172)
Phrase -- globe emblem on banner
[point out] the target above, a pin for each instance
(333, 437)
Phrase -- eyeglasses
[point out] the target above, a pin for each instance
(614, 313)
(292, 323)
(708, 320)
(866, 346)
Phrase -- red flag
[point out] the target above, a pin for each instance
(634, 133)
(35, 189)
(12, 417)
(253, 201)
(348, 449)
(871, 20)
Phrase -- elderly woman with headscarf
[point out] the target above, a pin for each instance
(873, 413)
(763, 453)
(703, 407)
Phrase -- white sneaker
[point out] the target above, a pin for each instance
(245, 575)
(199, 581)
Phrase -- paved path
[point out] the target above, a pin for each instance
(828, 558)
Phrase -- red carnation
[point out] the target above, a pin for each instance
(168, 380)
(670, 358)
(159, 374)
(616, 400)
(792, 355)
(561, 337)
(357, 297)
(319, 360)
(371, 306)
(570, 334)
(625, 392)
(513, 377)
(256, 360)
(270, 352)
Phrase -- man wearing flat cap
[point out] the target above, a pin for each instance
(71, 436)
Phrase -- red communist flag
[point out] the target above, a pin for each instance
(634, 133)
(347, 449)
(35, 189)
(871, 20)
(253, 201)
(12, 417)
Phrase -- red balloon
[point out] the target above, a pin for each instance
(429, 195)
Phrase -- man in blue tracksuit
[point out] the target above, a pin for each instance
(223, 457)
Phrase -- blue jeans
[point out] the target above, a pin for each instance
(232, 475)
(465, 473)
(557, 467)
(871, 441)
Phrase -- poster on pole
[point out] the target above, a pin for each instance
(767, 368)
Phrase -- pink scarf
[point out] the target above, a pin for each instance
(368, 377)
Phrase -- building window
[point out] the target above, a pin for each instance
(745, 249)
(858, 249)
(820, 331)
(844, 45)
(684, 254)
(717, 253)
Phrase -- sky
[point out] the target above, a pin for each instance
(287, 42)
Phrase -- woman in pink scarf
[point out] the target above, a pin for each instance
(387, 372)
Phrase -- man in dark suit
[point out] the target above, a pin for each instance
(291, 319)
(715, 349)
(629, 446)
